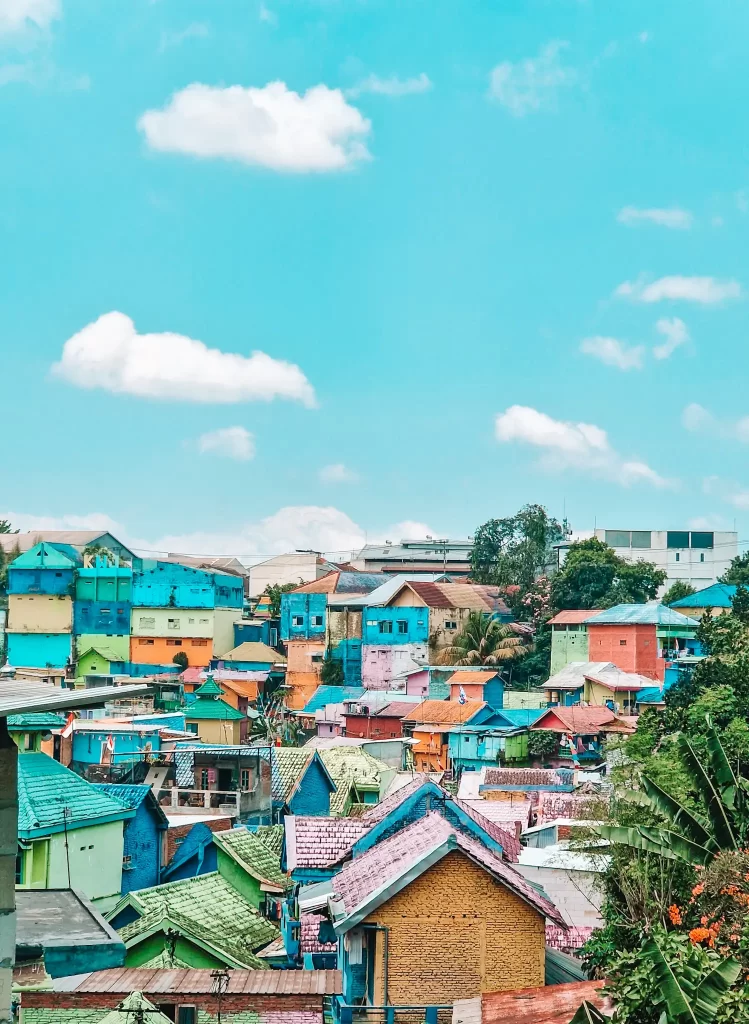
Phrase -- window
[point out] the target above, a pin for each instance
(187, 1015)
(174, 643)
(702, 540)
(617, 538)
(201, 621)
(191, 622)
(106, 611)
(127, 863)
(622, 643)
(192, 727)
(677, 556)
(702, 556)
(677, 539)
(204, 778)
(317, 620)
(297, 620)
(386, 626)
(316, 657)
(402, 626)
(244, 778)
(146, 643)
(199, 643)
(147, 622)
(273, 637)
(451, 624)
(172, 623)
(58, 574)
(641, 539)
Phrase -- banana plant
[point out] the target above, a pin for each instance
(692, 837)
(588, 1014)
(691, 996)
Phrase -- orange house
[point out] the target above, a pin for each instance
(303, 663)
(635, 637)
(472, 683)
(160, 650)
(429, 723)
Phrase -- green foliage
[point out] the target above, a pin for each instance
(588, 1014)
(535, 668)
(331, 671)
(274, 596)
(738, 571)
(484, 640)
(542, 743)
(676, 591)
(5, 527)
(594, 576)
(180, 658)
(93, 551)
(740, 605)
(517, 549)
(723, 635)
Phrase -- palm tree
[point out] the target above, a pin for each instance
(693, 837)
(485, 641)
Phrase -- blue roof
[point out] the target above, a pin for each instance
(650, 695)
(651, 614)
(717, 596)
(325, 695)
(130, 795)
(521, 717)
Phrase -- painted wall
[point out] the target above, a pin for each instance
(93, 664)
(170, 585)
(102, 617)
(599, 696)
(456, 905)
(184, 951)
(632, 648)
(377, 727)
(348, 652)
(302, 672)
(344, 624)
(492, 692)
(143, 844)
(213, 730)
(40, 581)
(390, 626)
(313, 795)
(381, 663)
(568, 644)
(39, 613)
(88, 746)
(95, 854)
(161, 650)
(223, 630)
(169, 622)
(303, 616)
(118, 643)
(110, 585)
(264, 631)
(575, 893)
(39, 650)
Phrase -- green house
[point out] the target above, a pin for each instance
(98, 661)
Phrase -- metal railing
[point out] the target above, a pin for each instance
(347, 1013)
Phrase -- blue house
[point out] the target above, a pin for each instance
(473, 747)
(39, 650)
(325, 695)
(171, 585)
(92, 739)
(303, 615)
(145, 835)
(395, 625)
(195, 855)
(264, 631)
(44, 569)
(300, 782)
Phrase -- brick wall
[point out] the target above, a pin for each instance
(203, 1001)
(455, 932)
(175, 832)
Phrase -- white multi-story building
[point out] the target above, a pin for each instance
(697, 557)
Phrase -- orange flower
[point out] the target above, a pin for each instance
(674, 914)
(698, 935)
(698, 889)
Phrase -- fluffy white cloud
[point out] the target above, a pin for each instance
(195, 30)
(668, 218)
(392, 86)
(229, 442)
(727, 490)
(674, 331)
(699, 420)
(704, 290)
(270, 127)
(337, 473)
(532, 84)
(110, 354)
(28, 523)
(16, 15)
(613, 352)
(566, 445)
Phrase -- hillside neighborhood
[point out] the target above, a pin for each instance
(400, 784)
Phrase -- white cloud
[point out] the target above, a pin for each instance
(110, 354)
(613, 352)
(727, 490)
(392, 86)
(196, 30)
(699, 420)
(17, 15)
(337, 473)
(42, 74)
(91, 521)
(665, 218)
(532, 84)
(229, 442)
(270, 127)
(566, 445)
(674, 331)
(711, 522)
(704, 290)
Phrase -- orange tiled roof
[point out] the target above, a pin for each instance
(449, 712)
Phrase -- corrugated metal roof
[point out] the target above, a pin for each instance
(198, 981)
(651, 614)
(385, 592)
(552, 1004)
(437, 712)
(17, 698)
(717, 596)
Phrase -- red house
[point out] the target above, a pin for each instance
(639, 637)
(377, 723)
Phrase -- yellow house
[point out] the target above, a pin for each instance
(212, 719)
(40, 613)
(432, 915)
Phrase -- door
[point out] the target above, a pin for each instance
(225, 780)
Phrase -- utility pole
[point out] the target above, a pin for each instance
(219, 985)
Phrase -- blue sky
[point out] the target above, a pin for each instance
(491, 254)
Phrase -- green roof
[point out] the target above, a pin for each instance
(272, 836)
(289, 763)
(52, 1015)
(104, 652)
(162, 959)
(46, 789)
(349, 766)
(254, 855)
(207, 908)
(210, 688)
(212, 708)
(34, 721)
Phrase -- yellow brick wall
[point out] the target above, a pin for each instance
(456, 932)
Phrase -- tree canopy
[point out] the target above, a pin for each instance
(676, 591)
(738, 571)
(517, 549)
(593, 576)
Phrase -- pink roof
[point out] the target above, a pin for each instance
(319, 842)
(578, 806)
(581, 721)
(309, 927)
(361, 881)
(570, 938)
(384, 807)
(572, 616)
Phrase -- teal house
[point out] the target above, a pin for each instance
(473, 747)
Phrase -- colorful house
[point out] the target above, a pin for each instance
(641, 637)
(569, 636)
(372, 720)
(100, 660)
(144, 850)
(431, 915)
(478, 684)
(597, 683)
(264, 631)
(360, 779)
(250, 656)
(112, 741)
(715, 599)
(70, 835)
(45, 568)
(301, 782)
(213, 719)
(103, 600)
(582, 731)
(429, 724)
(473, 747)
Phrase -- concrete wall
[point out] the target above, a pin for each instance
(223, 630)
(454, 933)
(118, 643)
(111, 585)
(303, 616)
(294, 567)
(173, 622)
(407, 625)
(568, 644)
(381, 663)
(302, 673)
(101, 617)
(575, 893)
(699, 566)
(214, 730)
(170, 585)
(631, 648)
(161, 650)
(39, 613)
(40, 581)
(39, 650)
(95, 853)
(88, 746)
(143, 843)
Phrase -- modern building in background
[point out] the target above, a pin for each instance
(697, 557)
(293, 567)
(430, 554)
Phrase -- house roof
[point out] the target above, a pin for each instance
(622, 682)
(472, 596)
(200, 981)
(339, 581)
(574, 674)
(528, 777)
(449, 712)
(128, 1009)
(47, 556)
(51, 797)
(254, 650)
(289, 766)
(519, 717)
(375, 876)
(253, 854)
(46, 697)
(206, 907)
(551, 1004)
(468, 676)
(210, 688)
(309, 927)
(104, 652)
(133, 796)
(395, 709)
(272, 836)
(205, 707)
(573, 616)
(651, 613)
(76, 538)
(347, 766)
(581, 721)
(34, 721)
(320, 842)
(325, 695)
(719, 595)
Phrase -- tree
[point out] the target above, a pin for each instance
(5, 527)
(517, 549)
(180, 658)
(331, 671)
(94, 551)
(740, 604)
(589, 1014)
(738, 571)
(676, 591)
(274, 593)
(594, 576)
(485, 641)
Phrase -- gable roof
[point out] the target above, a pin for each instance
(254, 855)
(339, 581)
(128, 1009)
(374, 877)
(206, 707)
(484, 675)
(272, 836)
(47, 556)
(133, 796)
(347, 766)
(206, 908)
(719, 595)
(35, 721)
(289, 766)
(104, 652)
(473, 596)
(580, 721)
(325, 695)
(315, 841)
(573, 616)
(254, 650)
(437, 712)
(515, 718)
(651, 613)
(75, 538)
(46, 789)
